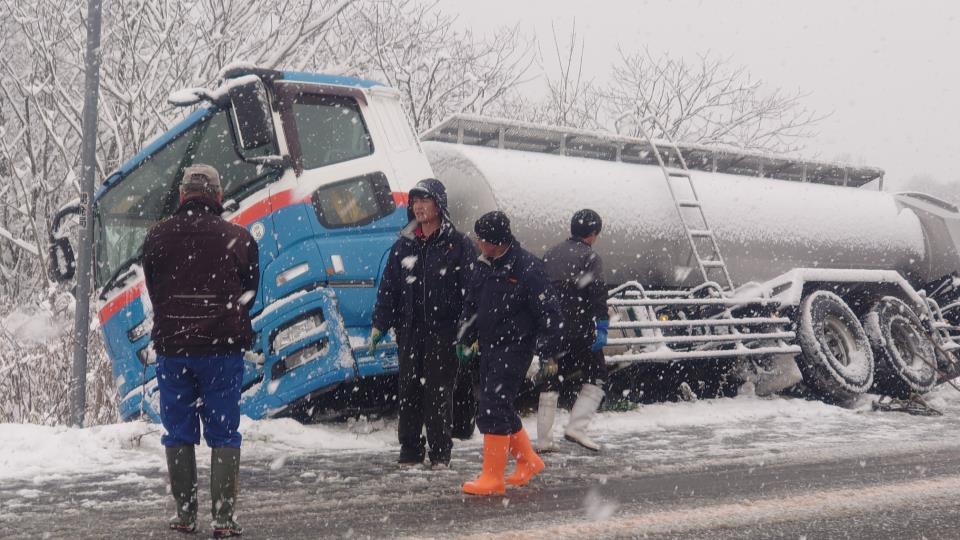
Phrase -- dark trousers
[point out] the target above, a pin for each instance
(577, 367)
(465, 393)
(502, 370)
(200, 389)
(428, 372)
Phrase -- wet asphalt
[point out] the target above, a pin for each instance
(633, 489)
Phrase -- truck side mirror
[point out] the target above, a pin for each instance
(250, 113)
(62, 263)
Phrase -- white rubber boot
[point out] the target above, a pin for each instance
(583, 410)
(546, 412)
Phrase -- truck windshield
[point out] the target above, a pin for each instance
(149, 193)
(331, 129)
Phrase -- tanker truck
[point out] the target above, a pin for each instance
(713, 256)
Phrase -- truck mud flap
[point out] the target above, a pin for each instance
(302, 348)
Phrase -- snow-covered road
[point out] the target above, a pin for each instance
(667, 469)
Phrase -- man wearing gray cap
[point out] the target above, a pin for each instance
(202, 274)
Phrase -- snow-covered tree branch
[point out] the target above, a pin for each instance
(709, 101)
(439, 70)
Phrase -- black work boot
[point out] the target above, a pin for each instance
(412, 456)
(224, 487)
(182, 467)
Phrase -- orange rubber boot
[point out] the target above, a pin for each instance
(529, 463)
(490, 481)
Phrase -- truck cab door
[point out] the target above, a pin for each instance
(346, 173)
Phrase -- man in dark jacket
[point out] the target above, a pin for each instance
(576, 272)
(421, 298)
(202, 275)
(512, 310)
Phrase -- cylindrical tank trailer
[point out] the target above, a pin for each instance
(764, 227)
(831, 270)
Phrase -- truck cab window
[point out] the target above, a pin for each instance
(331, 129)
(353, 202)
(149, 193)
(215, 148)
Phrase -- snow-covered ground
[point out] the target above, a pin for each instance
(116, 474)
(673, 434)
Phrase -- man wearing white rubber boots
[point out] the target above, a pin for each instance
(576, 272)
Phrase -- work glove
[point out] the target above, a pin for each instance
(548, 369)
(466, 353)
(601, 340)
(376, 336)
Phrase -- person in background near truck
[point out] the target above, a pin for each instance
(202, 275)
(576, 272)
(421, 298)
(511, 310)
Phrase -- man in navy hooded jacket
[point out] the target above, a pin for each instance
(421, 298)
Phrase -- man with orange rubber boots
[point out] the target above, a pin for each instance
(510, 313)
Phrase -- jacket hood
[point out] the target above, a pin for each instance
(433, 188)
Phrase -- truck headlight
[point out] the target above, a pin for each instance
(291, 274)
(140, 330)
(302, 328)
(307, 354)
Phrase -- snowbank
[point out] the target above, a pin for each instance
(44, 453)
(735, 428)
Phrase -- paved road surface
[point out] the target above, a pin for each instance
(849, 489)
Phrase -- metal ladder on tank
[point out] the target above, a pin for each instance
(712, 268)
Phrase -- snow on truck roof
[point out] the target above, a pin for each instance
(478, 130)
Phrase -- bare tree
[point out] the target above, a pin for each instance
(571, 100)
(414, 47)
(707, 101)
(150, 47)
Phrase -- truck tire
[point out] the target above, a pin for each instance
(904, 356)
(837, 361)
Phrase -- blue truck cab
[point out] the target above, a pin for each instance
(317, 168)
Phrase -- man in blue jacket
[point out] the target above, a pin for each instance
(421, 298)
(513, 313)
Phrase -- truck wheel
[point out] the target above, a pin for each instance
(905, 357)
(837, 361)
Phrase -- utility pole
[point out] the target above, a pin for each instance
(88, 166)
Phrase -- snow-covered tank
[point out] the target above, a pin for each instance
(765, 226)
(810, 250)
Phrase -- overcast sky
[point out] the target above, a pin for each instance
(887, 71)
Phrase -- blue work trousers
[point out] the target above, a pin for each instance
(200, 389)
(502, 371)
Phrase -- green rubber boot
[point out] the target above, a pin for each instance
(224, 487)
(182, 467)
